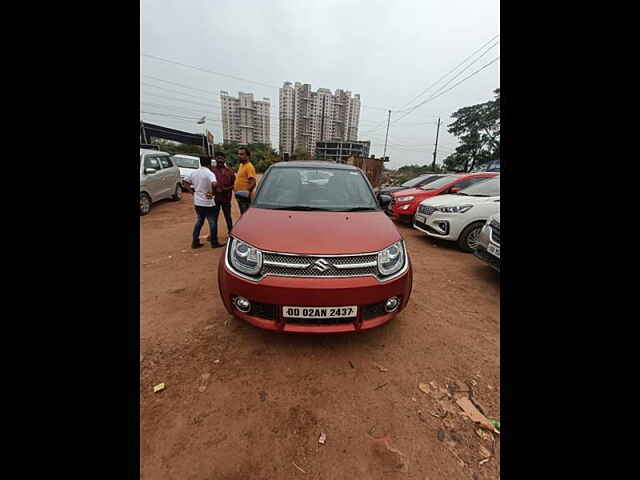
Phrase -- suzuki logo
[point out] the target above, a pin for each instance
(321, 265)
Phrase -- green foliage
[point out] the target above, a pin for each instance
(478, 128)
(175, 148)
(301, 153)
(408, 172)
(262, 156)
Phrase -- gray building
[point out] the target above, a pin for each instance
(340, 151)
(308, 117)
(245, 120)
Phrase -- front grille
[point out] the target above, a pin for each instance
(427, 209)
(495, 232)
(318, 267)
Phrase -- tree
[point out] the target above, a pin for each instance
(262, 156)
(175, 148)
(301, 153)
(478, 128)
(407, 172)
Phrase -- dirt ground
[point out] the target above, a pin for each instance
(242, 403)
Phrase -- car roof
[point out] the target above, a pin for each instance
(314, 164)
(148, 150)
(180, 155)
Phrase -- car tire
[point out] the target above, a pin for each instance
(145, 204)
(468, 239)
(177, 195)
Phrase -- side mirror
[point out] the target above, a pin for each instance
(149, 171)
(455, 189)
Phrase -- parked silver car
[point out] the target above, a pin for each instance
(159, 178)
(488, 249)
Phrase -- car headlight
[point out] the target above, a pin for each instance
(456, 209)
(391, 259)
(405, 199)
(245, 258)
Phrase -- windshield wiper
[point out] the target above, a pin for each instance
(357, 209)
(460, 193)
(299, 208)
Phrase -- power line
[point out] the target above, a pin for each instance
(198, 97)
(192, 102)
(450, 71)
(181, 100)
(449, 89)
(441, 87)
(211, 72)
(227, 75)
(184, 110)
(169, 115)
(181, 85)
(452, 78)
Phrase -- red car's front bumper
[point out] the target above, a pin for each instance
(405, 215)
(272, 293)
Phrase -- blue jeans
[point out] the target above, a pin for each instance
(202, 213)
(226, 210)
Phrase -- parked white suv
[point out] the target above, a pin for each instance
(159, 178)
(460, 217)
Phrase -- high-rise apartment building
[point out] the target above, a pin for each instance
(308, 117)
(245, 120)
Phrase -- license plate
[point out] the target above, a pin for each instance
(493, 250)
(320, 312)
(421, 218)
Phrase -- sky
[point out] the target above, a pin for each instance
(388, 52)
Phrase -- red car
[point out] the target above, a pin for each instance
(315, 254)
(404, 203)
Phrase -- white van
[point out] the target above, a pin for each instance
(187, 165)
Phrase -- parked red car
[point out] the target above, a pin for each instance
(404, 203)
(315, 256)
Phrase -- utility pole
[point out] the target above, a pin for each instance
(384, 155)
(435, 151)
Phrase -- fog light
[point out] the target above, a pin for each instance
(391, 304)
(242, 304)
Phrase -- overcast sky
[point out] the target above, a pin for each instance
(387, 51)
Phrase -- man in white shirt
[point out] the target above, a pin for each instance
(203, 182)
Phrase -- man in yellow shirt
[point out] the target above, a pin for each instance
(245, 180)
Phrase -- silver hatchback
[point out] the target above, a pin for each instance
(159, 178)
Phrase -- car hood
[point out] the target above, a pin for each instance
(185, 172)
(321, 233)
(453, 200)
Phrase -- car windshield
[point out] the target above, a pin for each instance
(439, 182)
(307, 188)
(187, 162)
(485, 188)
(414, 181)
